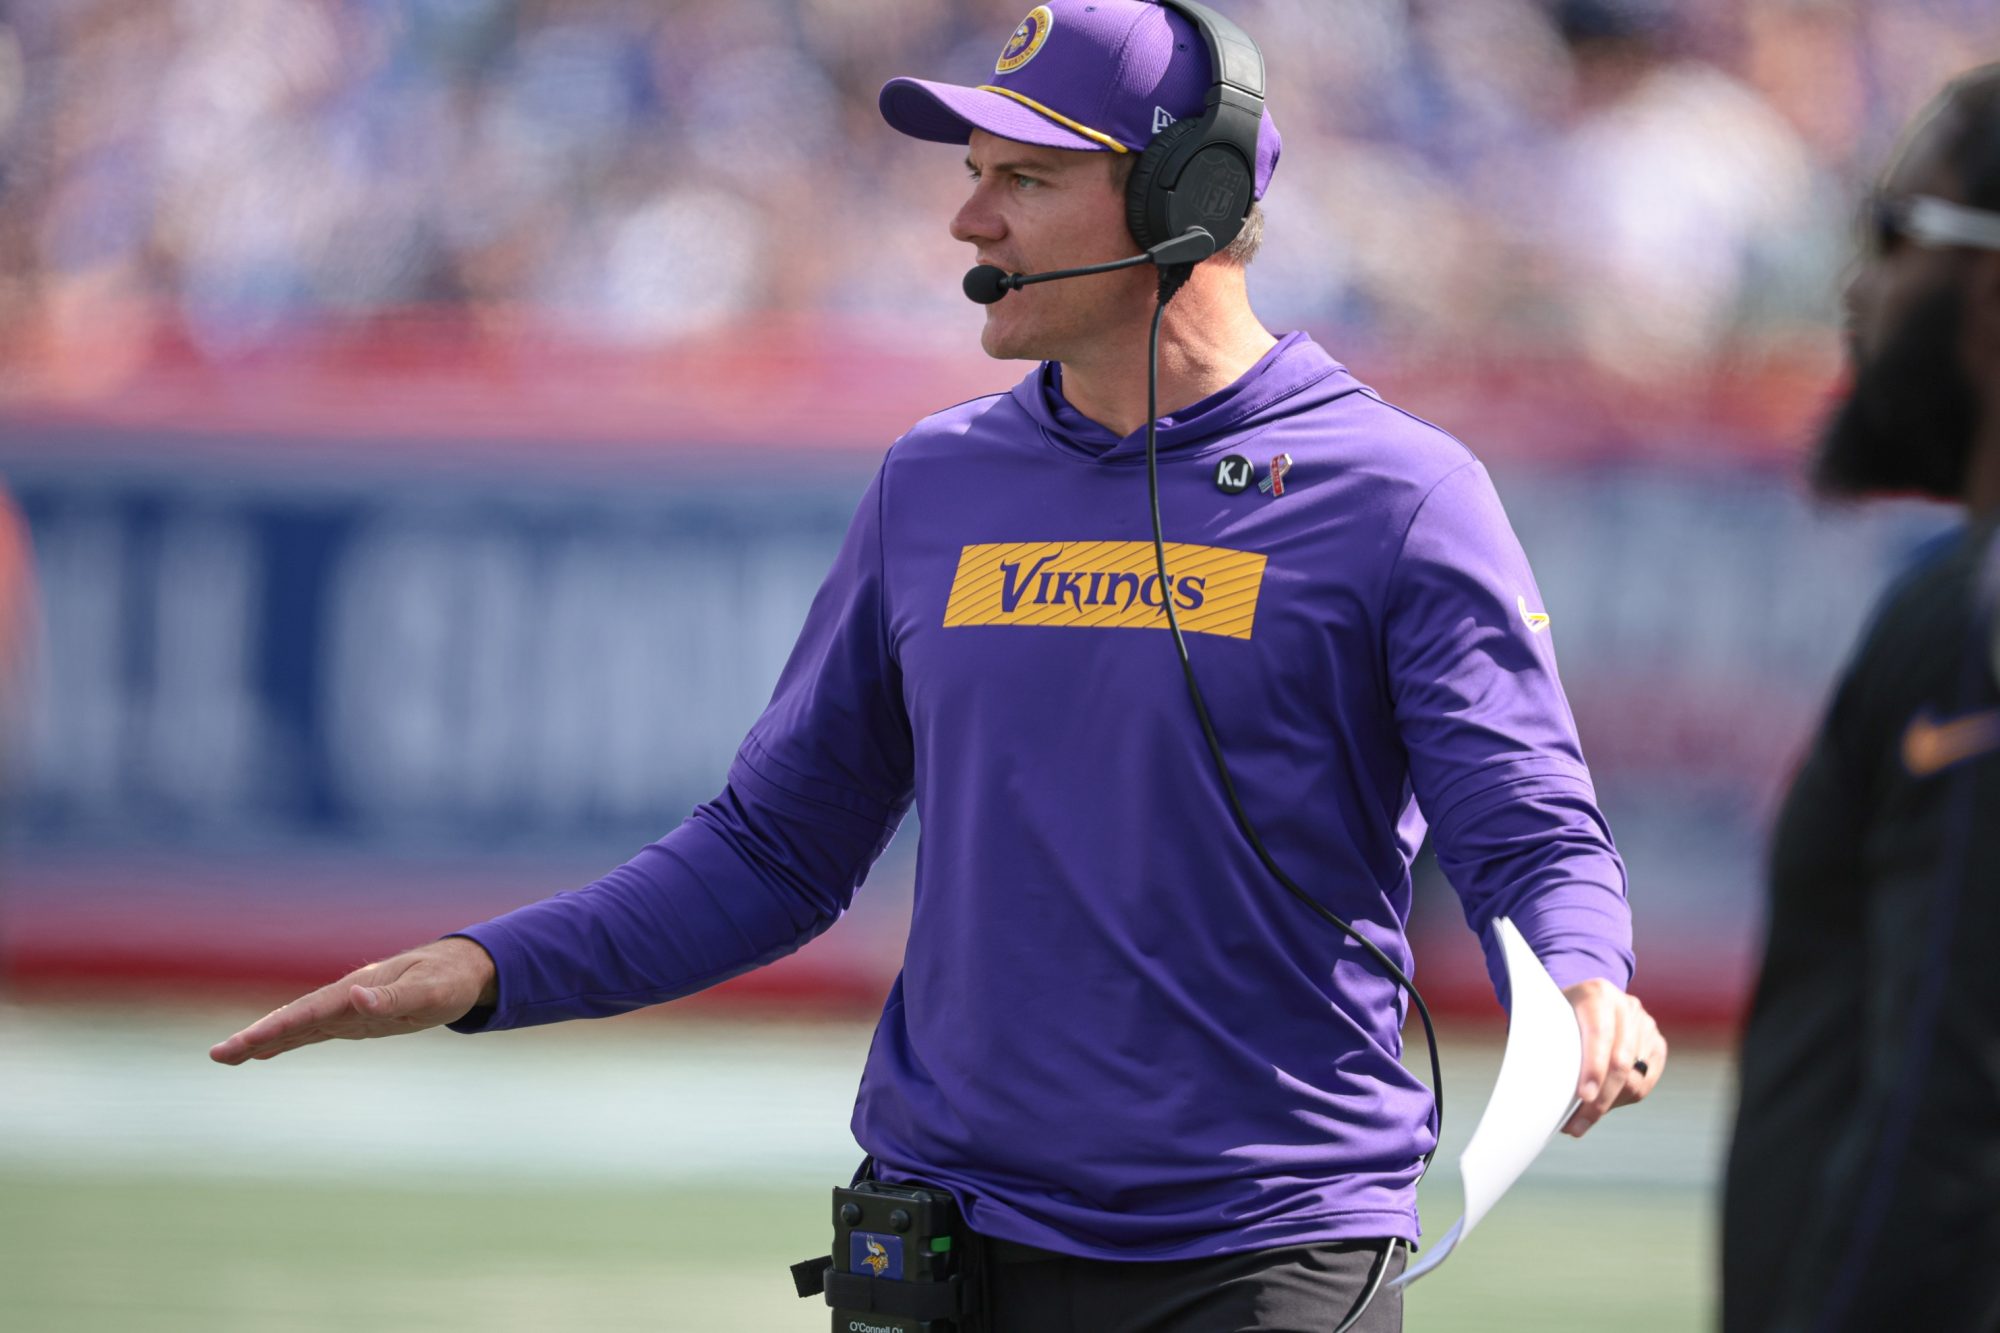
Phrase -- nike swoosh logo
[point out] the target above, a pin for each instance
(1931, 746)
(1537, 621)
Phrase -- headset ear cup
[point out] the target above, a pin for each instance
(1148, 209)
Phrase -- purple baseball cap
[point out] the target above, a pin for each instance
(1103, 77)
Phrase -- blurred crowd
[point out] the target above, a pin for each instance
(1651, 185)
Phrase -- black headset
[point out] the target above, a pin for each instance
(1203, 172)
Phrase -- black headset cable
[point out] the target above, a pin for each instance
(1171, 280)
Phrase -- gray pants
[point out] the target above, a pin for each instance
(1295, 1289)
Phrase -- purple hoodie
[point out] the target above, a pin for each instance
(1114, 1035)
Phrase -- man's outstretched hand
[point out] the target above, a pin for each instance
(424, 988)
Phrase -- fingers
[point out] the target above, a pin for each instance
(301, 1016)
(1610, 1084)
(1618, 1026)
(1597, 1018)
(1652, 1047)
(407, 993)
(1598, 1021)
(311, 1018)
(1606, 1059)
(292, 1043)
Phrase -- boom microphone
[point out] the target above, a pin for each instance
(987, 284)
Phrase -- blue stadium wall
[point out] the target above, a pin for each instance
(296, 704)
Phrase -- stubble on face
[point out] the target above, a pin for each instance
(1034, 209)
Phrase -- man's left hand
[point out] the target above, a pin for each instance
(1623, 1051)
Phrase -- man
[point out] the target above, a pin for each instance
(1171, 1099)
(1864, 1181)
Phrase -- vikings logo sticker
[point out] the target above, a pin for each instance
(1027, 40)
(879, 1255)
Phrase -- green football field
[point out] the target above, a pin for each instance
(88, 1253)
(633, 1176)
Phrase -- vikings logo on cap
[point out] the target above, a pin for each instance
(1027, 40)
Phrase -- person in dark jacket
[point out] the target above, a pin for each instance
(1863, 1185)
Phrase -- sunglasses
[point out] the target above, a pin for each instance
(1926, 220)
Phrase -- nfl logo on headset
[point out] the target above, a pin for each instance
(1221, 183)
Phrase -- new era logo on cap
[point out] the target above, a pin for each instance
(1161, 118)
